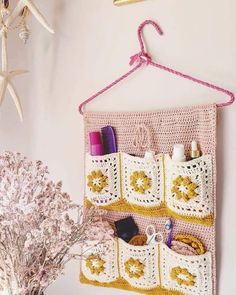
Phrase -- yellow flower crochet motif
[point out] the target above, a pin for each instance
(97, 181)
(184, 188)
(95, 264)
(140, 182)
(134, 268)
(182, 276)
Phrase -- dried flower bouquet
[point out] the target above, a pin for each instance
(36, 227)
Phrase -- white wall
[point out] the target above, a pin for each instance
(92, 46)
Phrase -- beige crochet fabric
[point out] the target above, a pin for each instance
(165, 128)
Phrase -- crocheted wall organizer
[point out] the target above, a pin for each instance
(150, 189)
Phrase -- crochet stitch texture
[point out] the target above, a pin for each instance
(194, 214)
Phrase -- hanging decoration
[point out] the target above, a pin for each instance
(123, 2)
(12, 19)
(162, 174)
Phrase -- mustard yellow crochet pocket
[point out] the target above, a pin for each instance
(95, 264)
(182, 276)
(140, 182)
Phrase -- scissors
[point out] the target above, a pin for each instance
(152, 235)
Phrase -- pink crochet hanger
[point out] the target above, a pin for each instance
(143, 57)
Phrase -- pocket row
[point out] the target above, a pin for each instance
(123, 182)
(154, 268)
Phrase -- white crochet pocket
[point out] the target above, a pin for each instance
(142, 180)
(148, 267)
(99, 263)
(102, 179)
(189, 186)
(191, 275)
(180, 189)
(138, 265)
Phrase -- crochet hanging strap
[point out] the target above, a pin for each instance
(159, 269)
(143, 58)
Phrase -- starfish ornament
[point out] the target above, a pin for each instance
(6, 76)
(33, 9)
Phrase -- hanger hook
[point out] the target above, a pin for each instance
(143, 57)
(140, 32)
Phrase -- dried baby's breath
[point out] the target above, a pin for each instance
(36, 227)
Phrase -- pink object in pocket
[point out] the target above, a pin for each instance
(96, 146)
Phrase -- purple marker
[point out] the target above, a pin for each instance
(96, 147)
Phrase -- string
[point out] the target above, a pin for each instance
(142, 138)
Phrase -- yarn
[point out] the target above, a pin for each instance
(149, 267)
(166, 127)
(137, 184)
(142, 138)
